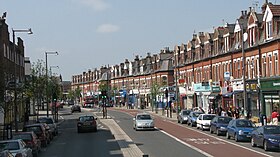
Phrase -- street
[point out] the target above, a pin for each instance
(71, 144)
(169, 138)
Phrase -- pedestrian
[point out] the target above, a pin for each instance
(237, 113)
(223, 113)
(274, 117)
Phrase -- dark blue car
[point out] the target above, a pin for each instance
(240, 129)
(219, 125)
(267, 136)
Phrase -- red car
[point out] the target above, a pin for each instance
(39, 130)
(31, 140)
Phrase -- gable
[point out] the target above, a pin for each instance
(268, 16)
(237, 27)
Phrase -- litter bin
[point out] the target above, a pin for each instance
(263, 119)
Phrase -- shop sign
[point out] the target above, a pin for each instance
(199, 88)
(216, 89)
(227, 76)
(270, 84)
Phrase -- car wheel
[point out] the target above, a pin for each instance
(45, 143)
(36, 153)
(211, 131)
(95, 129)
(181, 121)
(236, 137)
(217, 132)
(178, 121)
(253, 142)
(227, 136)
(79, 131)
(80, 111)
(202, 128)
(265, 147)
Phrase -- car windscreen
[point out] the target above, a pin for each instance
(196, 114)
(244, 123)
(224, 120)
(9, 146)
(23, 136)
(46, 120)
(185, 112)
(208, 117)
(86, 118)
(144, 117)
(272, 130)
(36, 129)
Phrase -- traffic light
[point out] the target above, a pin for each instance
(103, 94)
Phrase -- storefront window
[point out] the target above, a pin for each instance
(271, 103)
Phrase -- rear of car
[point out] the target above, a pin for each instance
(75, 108)
(86, 123)
(39, 130)
(205, 120)
(50, 122)
(31, 140)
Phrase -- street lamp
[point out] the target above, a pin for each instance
(47, 53)
(15, 67)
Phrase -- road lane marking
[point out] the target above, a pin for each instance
(186, 144)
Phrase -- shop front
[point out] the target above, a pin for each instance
(214, 99)
(202, 91)
(270, 90)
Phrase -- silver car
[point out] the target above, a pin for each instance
(16, 147)
(143, 121)
(183, 116)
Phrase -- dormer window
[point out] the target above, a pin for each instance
(252, 36)
(269, 29)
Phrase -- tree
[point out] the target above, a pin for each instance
(155, 90)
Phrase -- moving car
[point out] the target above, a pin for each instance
(193, 117)
(203, 121)
(143, 121)
(31, 140)
(39, 130)
(50, 122)
(87, 123)
(183, 116)
(267, 136)
(16, 147)
(75, 108)
(219, 125)
(240, 129)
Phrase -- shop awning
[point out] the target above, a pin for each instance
(228, 94)
(213, 96)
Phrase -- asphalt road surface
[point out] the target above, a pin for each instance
(69, 143)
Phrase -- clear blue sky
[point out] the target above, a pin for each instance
(91, 33)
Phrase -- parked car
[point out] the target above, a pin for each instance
(50, 122)
(16, 147)
(31, 140)
(219, 125)
(75, 108)
(48, 131)
(240, 129)
(143, 121)
(267, 136)
(203, 121)
(39, 130)
(183, 116)
(70, 102)
(87, 123)
(5, 153)
(193, 117)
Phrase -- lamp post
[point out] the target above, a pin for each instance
(54, 108)
(47, 101)
(15, 67)
(243, 39)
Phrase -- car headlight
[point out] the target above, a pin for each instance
(185, 118)
(79, 124)
(240, 132)
(272, 140)
(222, 128)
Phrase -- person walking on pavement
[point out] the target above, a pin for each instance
(274, 117)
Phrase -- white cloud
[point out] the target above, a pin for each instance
(97, 5)
(108, 28)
